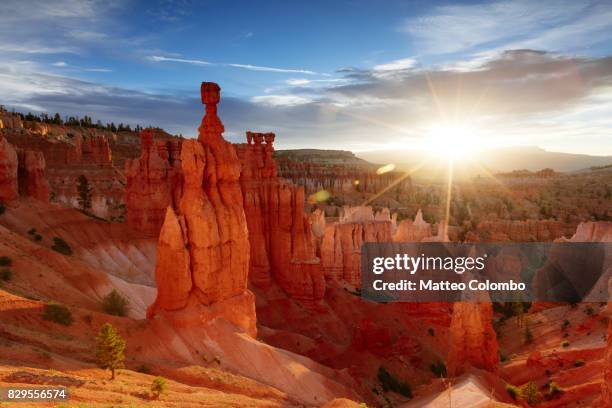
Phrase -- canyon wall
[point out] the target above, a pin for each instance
(203, 251)
(152, 183)
(338, 174)
(69, 152)
(282, 246)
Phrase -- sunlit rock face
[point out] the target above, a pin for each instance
(282, 243)
(153, 180)
(8, 171)
(341, 244)
(31, 175)
(203, 254)
(473, 342)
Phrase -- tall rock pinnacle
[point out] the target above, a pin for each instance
(203, 254)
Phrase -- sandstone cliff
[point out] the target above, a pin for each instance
(203, 253)
(282, 246)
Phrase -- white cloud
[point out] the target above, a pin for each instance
(97, 69)
(298, 82)
(60, 64)
(158, 58)
(281, 100)
(396, 65)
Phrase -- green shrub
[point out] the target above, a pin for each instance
(589, 311)
(390, 383)
(6, 274)
(38, 237)
(5, 261)
(553, 390)
(57, 313)
(158, 386)
(529, 392)
(439, 369)
(565, 325)
(2, 208)
(578, 363)
(61, 246)
(115, 304)
(32, 231)
(565, 344)
(513, 391)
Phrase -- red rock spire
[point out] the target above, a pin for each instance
(211, 126)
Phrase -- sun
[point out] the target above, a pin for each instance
(452, 141)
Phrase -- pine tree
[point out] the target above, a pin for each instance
(110, 349)
(84, 191)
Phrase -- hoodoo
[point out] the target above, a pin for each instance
(31, 174)
(282, 246)
(203, 253)
(152, 181)
(8, 171)
(473, 341)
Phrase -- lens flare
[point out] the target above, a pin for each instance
(385, 169)
(319, 197)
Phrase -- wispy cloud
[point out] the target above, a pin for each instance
(158, 58)
(454, 28)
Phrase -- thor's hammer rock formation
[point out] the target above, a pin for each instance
(203, 250)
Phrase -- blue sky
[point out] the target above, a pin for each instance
(356, 75)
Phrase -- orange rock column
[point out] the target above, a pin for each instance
(203, 253)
